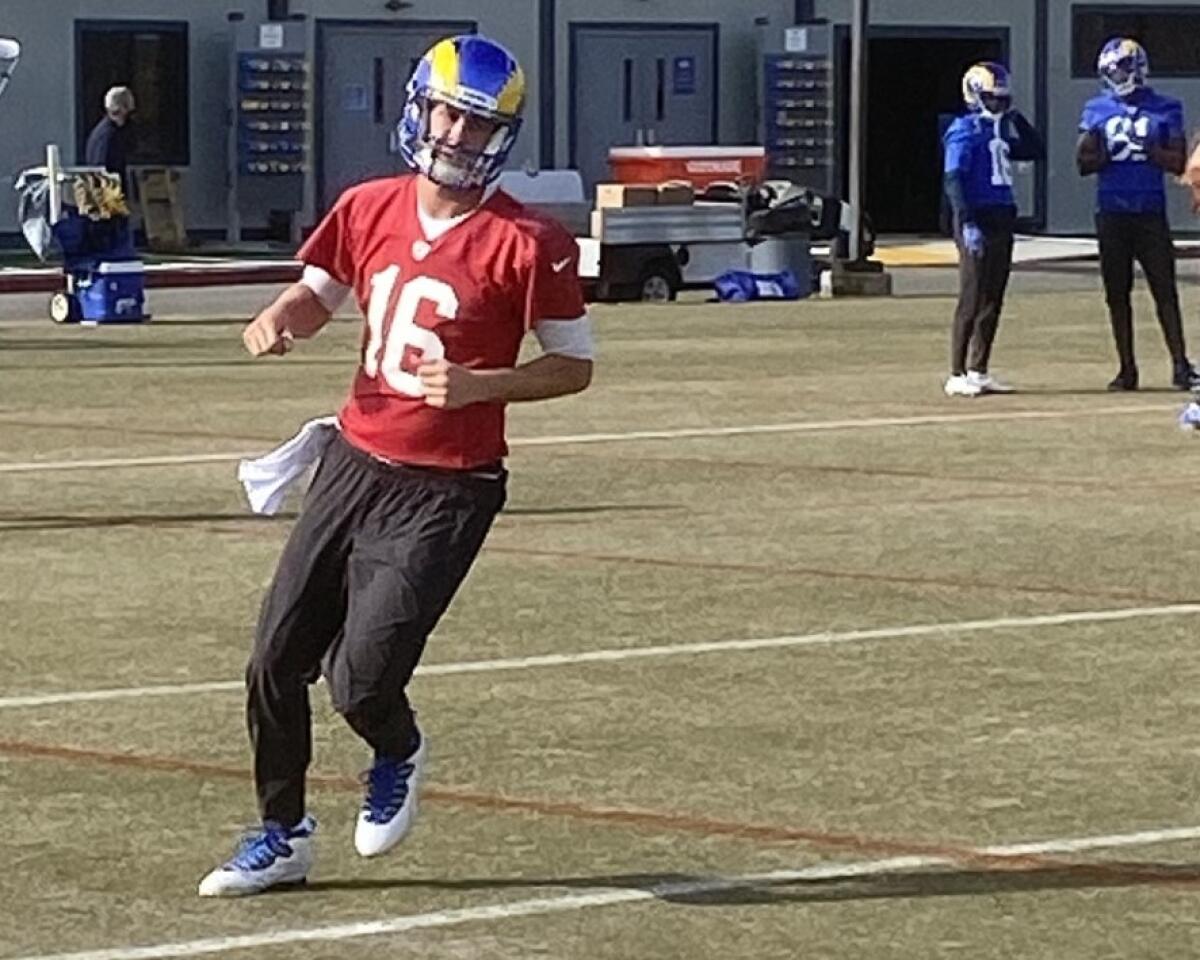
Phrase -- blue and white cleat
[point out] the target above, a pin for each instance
(390, 805)
(270, 857)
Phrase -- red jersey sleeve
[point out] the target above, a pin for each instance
(331, 244)
(553, 291)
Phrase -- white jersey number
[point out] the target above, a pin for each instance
(1126, 137)
(396, 350)
(1001, 166)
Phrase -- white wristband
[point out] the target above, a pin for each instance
(332, 293)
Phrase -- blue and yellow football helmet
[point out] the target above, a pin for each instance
(986, 88)
(475, 75)
(1123, 66)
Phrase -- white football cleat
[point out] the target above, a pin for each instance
(959, 385)
(390, 805)
(272, 857)
(989, 384)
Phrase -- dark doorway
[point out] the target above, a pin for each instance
(913, 89)
(149, 57)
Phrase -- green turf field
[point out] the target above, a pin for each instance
(776, 652)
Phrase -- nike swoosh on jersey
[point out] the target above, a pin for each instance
(559, 265)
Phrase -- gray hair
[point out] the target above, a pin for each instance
(119, 98)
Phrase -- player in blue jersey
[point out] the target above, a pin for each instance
(979, 149)
(1129, 136)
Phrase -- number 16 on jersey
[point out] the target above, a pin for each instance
(395, 350)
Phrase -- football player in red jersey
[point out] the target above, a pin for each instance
(451, 274)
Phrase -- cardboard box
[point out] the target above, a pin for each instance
(676, 194)
(626, 195)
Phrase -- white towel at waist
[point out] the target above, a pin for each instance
(268, 478)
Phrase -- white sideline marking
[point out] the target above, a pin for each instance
(41, 466)
(803, 426)
(606, 898)
(612, 655)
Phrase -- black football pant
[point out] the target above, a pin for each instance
(372, 563)
(981, 284)
(1146, 238)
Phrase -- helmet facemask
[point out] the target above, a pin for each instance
(1122, 77)
(456, 166)
(1123, 66)
(985, 88)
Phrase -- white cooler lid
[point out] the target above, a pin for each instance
(121, 266)
(686, 153)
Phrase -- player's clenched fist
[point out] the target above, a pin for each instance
(262, 336)
(447, 385)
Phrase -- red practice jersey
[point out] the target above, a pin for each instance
(469, 296)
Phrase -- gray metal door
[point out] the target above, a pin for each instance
(663, 81)
(363, 73)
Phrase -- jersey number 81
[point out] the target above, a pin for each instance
(1126, 138)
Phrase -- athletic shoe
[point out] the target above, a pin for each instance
(270, 857)
(1184, 377)
(1124, 380)
(959, 385)
(987, 383)
(390, 805)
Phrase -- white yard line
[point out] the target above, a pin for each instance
(803, 426)
(568, 903)
(618, 654)
(46, 466)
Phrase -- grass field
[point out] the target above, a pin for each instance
(776, 652)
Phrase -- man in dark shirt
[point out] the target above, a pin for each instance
(108, 145)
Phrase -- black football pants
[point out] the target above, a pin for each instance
(372, 563)
(1145, 237)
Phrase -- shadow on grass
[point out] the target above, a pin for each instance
(715, 891)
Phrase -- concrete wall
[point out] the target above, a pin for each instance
(738, 96)
(39, 106)
(1072, 198)
(1069, 200)
(1017, 17)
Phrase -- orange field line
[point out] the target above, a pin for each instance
(766, 569)
(645, 819)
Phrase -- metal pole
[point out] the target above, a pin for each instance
(54, 182)
(233, 215)
(858, 117)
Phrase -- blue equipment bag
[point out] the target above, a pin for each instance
(741, 285)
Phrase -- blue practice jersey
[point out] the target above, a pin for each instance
(978, 153)
(1130, 183)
